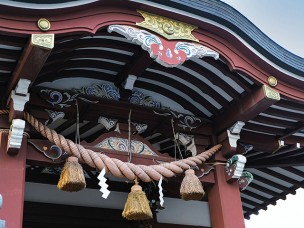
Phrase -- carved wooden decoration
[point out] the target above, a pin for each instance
(235, 167)
(235, 171)
(18, 98)
(15, 136)
(118, 141)
(229, 139)
(187, 141)
(107, 122)
(48, 149)
(169, 53)
(245, 179)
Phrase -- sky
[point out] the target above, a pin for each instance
(282, 21)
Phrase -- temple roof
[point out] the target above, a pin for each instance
(213, 12)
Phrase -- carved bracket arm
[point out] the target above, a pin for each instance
(229, 139)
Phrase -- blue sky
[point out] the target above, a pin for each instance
(282, 21)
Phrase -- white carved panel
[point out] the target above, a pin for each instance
(16, 134)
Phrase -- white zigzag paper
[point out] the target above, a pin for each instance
(102, 183)
(161, 195)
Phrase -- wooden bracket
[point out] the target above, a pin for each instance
(15, 136)
(18, 98)
(229, 139)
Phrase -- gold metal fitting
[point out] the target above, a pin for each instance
(272, 81)
(44, 24)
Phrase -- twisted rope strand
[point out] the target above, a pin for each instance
(117, 167)
(4, 112)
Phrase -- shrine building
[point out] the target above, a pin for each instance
(144, 114)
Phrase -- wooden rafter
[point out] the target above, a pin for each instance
(294, 171)
(298, 161)
(284, 114)
(255, 204)
(221, 66)
(274, 122)
(274, 184)
(251, 211)
(299, 127)
(267, 143)
(259, 197)
(213, 78)
(139, 63)
(273, 156)
(294, 182)
(204, 87)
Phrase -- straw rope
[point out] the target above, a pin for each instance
(115, 166)
(4, 112)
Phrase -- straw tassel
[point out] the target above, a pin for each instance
(137, 206)
(191, 187)
(72, 178)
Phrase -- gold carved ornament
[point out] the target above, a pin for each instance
(271, 93)
(166, 27)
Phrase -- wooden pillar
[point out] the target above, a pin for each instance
(12, 182)
(225, 202)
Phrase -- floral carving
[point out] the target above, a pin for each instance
(139, 98)
(58, 98)
(187, 121)
(121, 144)
(103, 91)
(184, 121)
(66, 99)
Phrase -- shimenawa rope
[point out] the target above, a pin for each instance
(115, 166)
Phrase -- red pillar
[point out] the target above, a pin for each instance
(12, 181)
(225, 202)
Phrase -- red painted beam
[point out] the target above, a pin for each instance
(248, 108)
(12, 176)
(34, 55)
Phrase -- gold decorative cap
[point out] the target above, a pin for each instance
(44, 24)
(272, 81)
(271, 93)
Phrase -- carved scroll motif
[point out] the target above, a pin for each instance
(166, 53)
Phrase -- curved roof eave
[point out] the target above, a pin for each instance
(222, 15)
(214, 12)
(50, 4)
